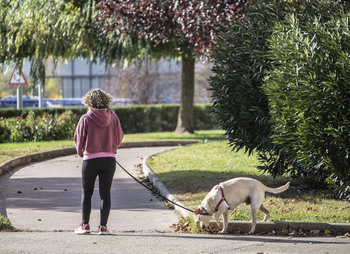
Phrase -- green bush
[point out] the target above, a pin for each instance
(240, 62)
(12, 112)
(308, 90)
(38, 128)
(242, 59)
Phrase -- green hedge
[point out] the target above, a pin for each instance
(59, 123)
(149, 118)
(38, 128)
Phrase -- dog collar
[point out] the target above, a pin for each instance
(222, 199)
(217, 206)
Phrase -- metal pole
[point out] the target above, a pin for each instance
(19, 97)
(40, 93)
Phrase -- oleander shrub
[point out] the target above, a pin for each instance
(38, 128)
(240, 62)
(4, 132)
(66, 124)
(309, 96)
(243, 59)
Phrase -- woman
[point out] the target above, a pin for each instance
(97, 138)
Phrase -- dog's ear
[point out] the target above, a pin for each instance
(197, 211)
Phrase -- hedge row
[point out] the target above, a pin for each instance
(17, 125)
(38, 128)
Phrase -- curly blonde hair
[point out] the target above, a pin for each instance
(97, 98)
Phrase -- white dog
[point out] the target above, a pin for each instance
(230, 194)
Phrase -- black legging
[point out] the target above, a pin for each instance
(104, 168)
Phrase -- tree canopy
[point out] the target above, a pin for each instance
(182, 25)
(40, 29)
(170, 28)
(114, 29)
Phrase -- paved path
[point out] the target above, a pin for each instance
(46, 196)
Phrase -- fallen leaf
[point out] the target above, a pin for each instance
(285, 230)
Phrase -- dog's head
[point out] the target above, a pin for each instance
(205, 210)
(202, 217)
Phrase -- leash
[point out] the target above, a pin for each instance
(159, 195)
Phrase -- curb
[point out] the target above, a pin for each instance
(20, 161)
(289, 228)
(162, 189)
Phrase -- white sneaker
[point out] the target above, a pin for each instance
(83, 229)
(102, 230)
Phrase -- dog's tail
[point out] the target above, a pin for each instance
(277, 190)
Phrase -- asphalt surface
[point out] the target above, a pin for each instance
(144, 243)
(46, 196)
(44, 199)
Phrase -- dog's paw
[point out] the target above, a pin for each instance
(222, 232)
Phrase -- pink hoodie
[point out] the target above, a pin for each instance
(98, 133)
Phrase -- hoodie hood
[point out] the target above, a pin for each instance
(101, 117)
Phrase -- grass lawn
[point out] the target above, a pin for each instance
(189, 172)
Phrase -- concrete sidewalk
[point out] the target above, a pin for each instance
(172, 243)
(46, 196)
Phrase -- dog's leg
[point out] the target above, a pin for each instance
(265, 211)
(217, 217)
(254, 209)
(225, 220)
(223, 210)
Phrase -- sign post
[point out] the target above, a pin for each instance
(18, 78)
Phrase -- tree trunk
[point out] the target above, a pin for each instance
(185, 120)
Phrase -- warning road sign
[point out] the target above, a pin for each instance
(17, 77)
